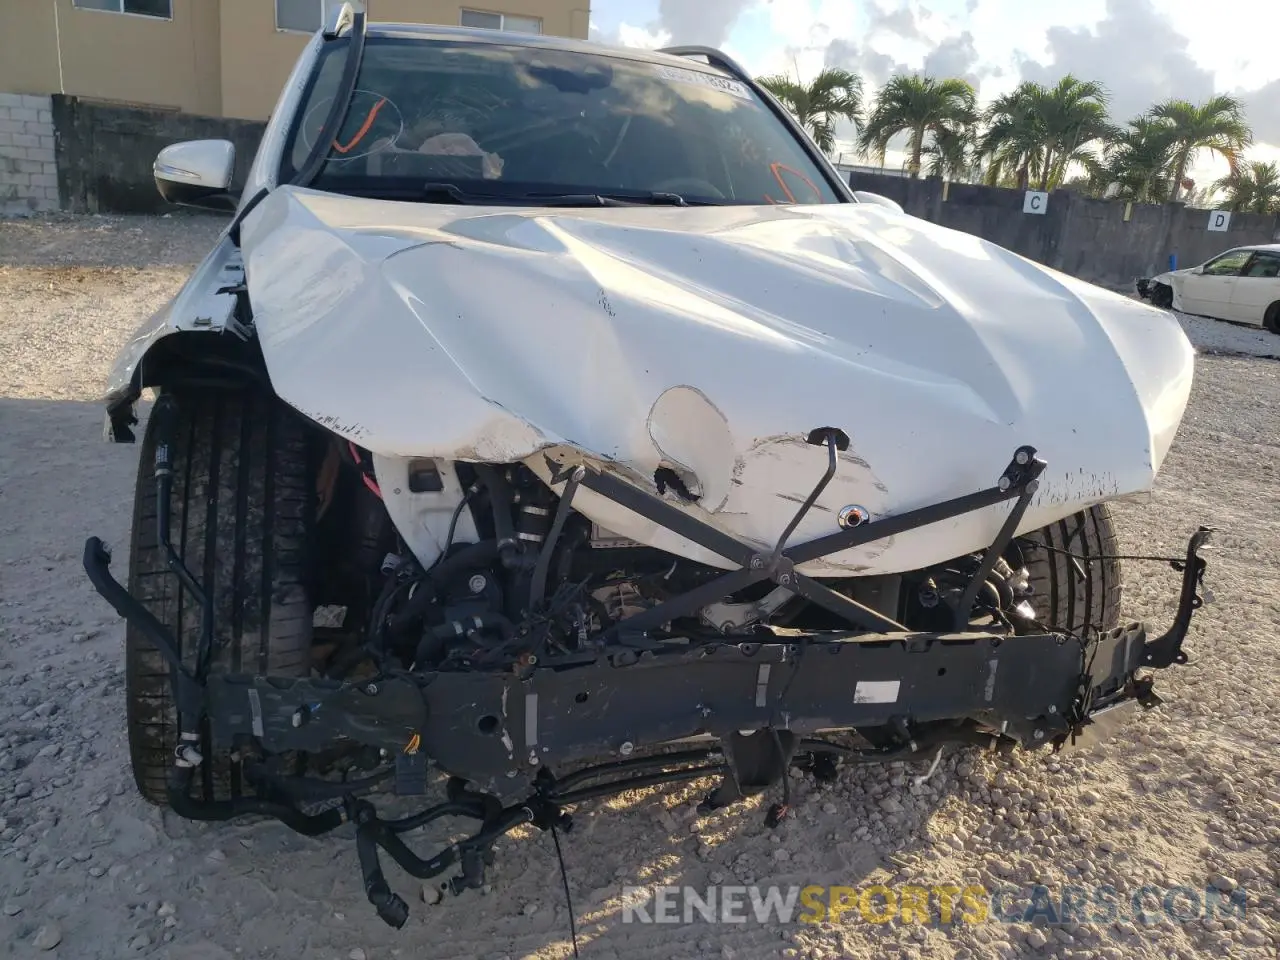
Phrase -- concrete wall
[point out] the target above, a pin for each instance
(28, 173)
(105, 152)
(1081, 236)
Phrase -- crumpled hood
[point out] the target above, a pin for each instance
(713, 340)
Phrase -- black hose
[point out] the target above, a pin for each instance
(457, 515)
(634, 765)
(373, 833)
(391, 908)
(473, 555)
(308, 790)
(635, 783)
(188, 693)
(502, 502)
(405, 824)
(433, 644)
(179, 786)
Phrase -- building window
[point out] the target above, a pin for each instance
(501, 21)
(307, 16)
(162, 9)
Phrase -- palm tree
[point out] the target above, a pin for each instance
(1073, 114)
(1013, 143)
(1138, 160)
(1255, 188)
(949, 153)
(834, 94)
(1217, 125)
(942, 111)
(1041, 131)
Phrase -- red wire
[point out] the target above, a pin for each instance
(368, 481)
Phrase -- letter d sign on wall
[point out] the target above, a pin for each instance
(1035, 202)
(1219, 220)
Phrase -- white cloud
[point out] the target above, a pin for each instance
(958, 57)
(630, 35)
(1134, 50)
(704, 22)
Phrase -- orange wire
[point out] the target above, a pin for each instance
(364, 128)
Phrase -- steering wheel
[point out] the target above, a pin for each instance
(694, 185)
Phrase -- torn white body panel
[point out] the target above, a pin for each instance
(712, 341)
(198, 307)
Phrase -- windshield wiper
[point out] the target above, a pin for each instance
(659, 199)
(569, 200)
(452, 193)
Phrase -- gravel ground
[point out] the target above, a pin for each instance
(1185, 796)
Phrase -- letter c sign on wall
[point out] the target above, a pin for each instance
(1036, 201)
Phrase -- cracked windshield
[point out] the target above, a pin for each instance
(512, 122)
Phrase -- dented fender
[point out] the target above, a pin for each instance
(199, 307)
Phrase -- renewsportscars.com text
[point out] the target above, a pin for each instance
(932, 904)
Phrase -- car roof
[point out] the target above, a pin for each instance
(1266, 247)
(481, 35)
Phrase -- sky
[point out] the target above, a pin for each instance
(1142, 50)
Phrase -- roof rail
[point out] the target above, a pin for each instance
(715, 57)
(341, 20)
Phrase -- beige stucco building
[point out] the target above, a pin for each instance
(225, 58)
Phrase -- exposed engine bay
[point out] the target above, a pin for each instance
(527, 589)
(547, 643)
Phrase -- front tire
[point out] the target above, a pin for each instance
(1076, 589)
(241, 508)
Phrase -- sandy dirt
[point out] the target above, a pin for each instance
(1187, 795)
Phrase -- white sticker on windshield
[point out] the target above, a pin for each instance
(734, 88)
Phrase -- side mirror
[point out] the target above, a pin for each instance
(197, 173)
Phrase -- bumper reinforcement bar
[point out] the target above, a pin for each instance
(763, 698)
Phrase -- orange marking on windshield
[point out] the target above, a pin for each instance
(777, 168)
(364, 128)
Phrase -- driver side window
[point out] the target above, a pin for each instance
(1227, 265)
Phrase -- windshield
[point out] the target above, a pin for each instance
(516, 122)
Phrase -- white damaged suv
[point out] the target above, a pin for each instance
(552, 420)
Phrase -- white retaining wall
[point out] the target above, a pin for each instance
(28, 172)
